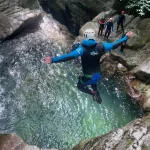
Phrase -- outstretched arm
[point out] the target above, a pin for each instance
(113, 45)
(105, 25)
(72, 55)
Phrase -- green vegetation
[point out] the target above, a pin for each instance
(136, 7)
(144, 147)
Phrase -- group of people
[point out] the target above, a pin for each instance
(108, 25)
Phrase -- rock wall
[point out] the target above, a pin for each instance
(32, 4)
(13, 16)
(74, 13)
(13, 142)
(134, 136)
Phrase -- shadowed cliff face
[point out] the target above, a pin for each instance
(75, 13)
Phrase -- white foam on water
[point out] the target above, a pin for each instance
(1, 58)
(1, 90)
(16, 75)
(2, 108)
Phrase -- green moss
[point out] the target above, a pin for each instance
(144, 147)
(129, 142)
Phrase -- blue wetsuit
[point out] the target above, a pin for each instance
(90, 52)
(109, 26)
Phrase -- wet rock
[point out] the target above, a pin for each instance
(121, 67)
(13, 142)
(16, 18)
(32, 4)
(108, 65)
(146, 104)
(142, 72)
(13, 16)
(135, 135)
(75, 13)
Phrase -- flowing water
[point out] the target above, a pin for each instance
(41, 103)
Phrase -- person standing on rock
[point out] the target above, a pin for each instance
(121, 21)
(90, 52)
(101, 22)
(109, 27)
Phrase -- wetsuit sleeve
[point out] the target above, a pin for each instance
(105, 25)
(113, 45)
(72, 55)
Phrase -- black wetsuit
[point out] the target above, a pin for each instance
(101, 26)
(121, 21)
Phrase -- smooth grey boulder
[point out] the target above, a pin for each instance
(13, 142)
(13, 17)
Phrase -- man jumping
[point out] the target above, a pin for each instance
(90, 52)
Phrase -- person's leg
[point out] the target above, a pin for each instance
(99, 30)
(89, 86)
(84, 86)
(122, 28)
(102, 31)
(109, 31)
(96, 95)
(118, 26)
(106, 33)
(90, 89)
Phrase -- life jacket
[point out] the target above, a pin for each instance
(91, 56)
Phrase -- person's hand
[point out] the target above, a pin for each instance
(129, 34)
(47, 60)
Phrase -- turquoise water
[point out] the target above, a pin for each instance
(54, 114)
(42, 104)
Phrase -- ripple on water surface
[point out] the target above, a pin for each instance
(45, 108)
(55, 114)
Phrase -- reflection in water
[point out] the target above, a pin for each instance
(44, 106)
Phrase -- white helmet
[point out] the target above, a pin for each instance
(89, 34)
(110, 19)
